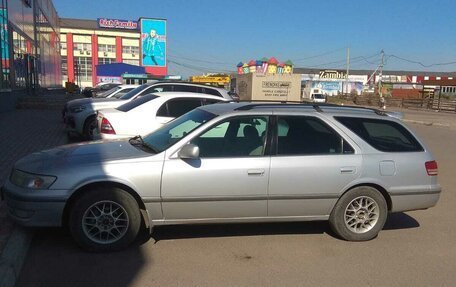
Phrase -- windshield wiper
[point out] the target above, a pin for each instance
(138, 140)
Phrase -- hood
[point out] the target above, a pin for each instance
(54, 160)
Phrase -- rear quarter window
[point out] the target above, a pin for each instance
(383, 135)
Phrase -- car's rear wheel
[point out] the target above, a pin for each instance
(90, 127)
(359, 214)
(105, 219)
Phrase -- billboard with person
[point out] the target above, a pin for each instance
(153, 42)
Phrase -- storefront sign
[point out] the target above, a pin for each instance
(210, 79)
(134, 76)
(332, 74)
(275, 88)
(117, 24)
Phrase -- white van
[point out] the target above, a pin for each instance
(318, 98)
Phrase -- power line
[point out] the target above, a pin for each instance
(352, 60)
(319, 55)
(198, 68)
(199, 60)
(420, 63)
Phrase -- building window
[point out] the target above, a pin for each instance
(134, 50)
(64, 68)
(82, 46)
(107, 48)
(131, 62)
(83, 69)
(63, 45)
(102, 61)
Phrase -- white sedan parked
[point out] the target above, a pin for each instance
(148, 113)
(116, 92)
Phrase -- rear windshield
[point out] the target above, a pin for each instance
(318, 96)
(134, 92)
(384, 135)
(136, 102)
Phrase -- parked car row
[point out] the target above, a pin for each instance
(80, 115)
(224, 162)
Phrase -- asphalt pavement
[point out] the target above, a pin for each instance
(415, 249)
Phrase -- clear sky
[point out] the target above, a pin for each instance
(215, 35)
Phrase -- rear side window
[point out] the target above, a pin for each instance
(384, 135)
(300, 135)
(184, 88)
(177, 107)
(135, 103)
(213, 92)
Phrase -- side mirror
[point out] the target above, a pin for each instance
(189, 151)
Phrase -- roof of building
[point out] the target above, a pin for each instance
(385, 72)
(445, 82)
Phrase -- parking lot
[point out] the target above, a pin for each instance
(415, 249)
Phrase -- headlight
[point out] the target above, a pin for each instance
(29, 180)
(77, 109)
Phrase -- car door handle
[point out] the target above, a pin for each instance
(255, 172)
(347, 170)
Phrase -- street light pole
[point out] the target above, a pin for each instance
(348, 69)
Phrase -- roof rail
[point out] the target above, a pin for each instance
(317, 107)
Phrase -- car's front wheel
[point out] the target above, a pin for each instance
(105, 219)
(359, 214)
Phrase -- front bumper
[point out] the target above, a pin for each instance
(30, 208)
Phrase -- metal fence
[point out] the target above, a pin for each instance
(431, 104)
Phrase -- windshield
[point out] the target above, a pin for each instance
(175, 130)
(318, 96)
(107, 93)
(134, 92)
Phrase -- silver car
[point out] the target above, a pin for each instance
(232, 162)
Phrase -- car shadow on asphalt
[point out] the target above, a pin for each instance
(400, 220)
(234, 229)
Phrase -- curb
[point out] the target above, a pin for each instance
(13, 256)
(427, 123)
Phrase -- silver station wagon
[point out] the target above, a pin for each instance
(231, 162)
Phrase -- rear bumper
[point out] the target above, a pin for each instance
(407, 201)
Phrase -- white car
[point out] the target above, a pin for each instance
(148, 113)
(116, 92)
(80, 115)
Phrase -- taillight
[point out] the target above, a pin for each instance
(106, 127)
(431, 167)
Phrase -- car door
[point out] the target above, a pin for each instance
(312, 165)
(228, 180)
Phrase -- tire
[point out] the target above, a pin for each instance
(89, 126)
(113, 229)
(359, 214)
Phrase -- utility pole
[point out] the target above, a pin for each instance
(348, 69)
(380, 74)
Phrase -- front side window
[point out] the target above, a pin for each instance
(299, 135)
(235, 137)
(383, 135)
(175, 130)
(177, 107)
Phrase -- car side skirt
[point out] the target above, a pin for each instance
(240, 220)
